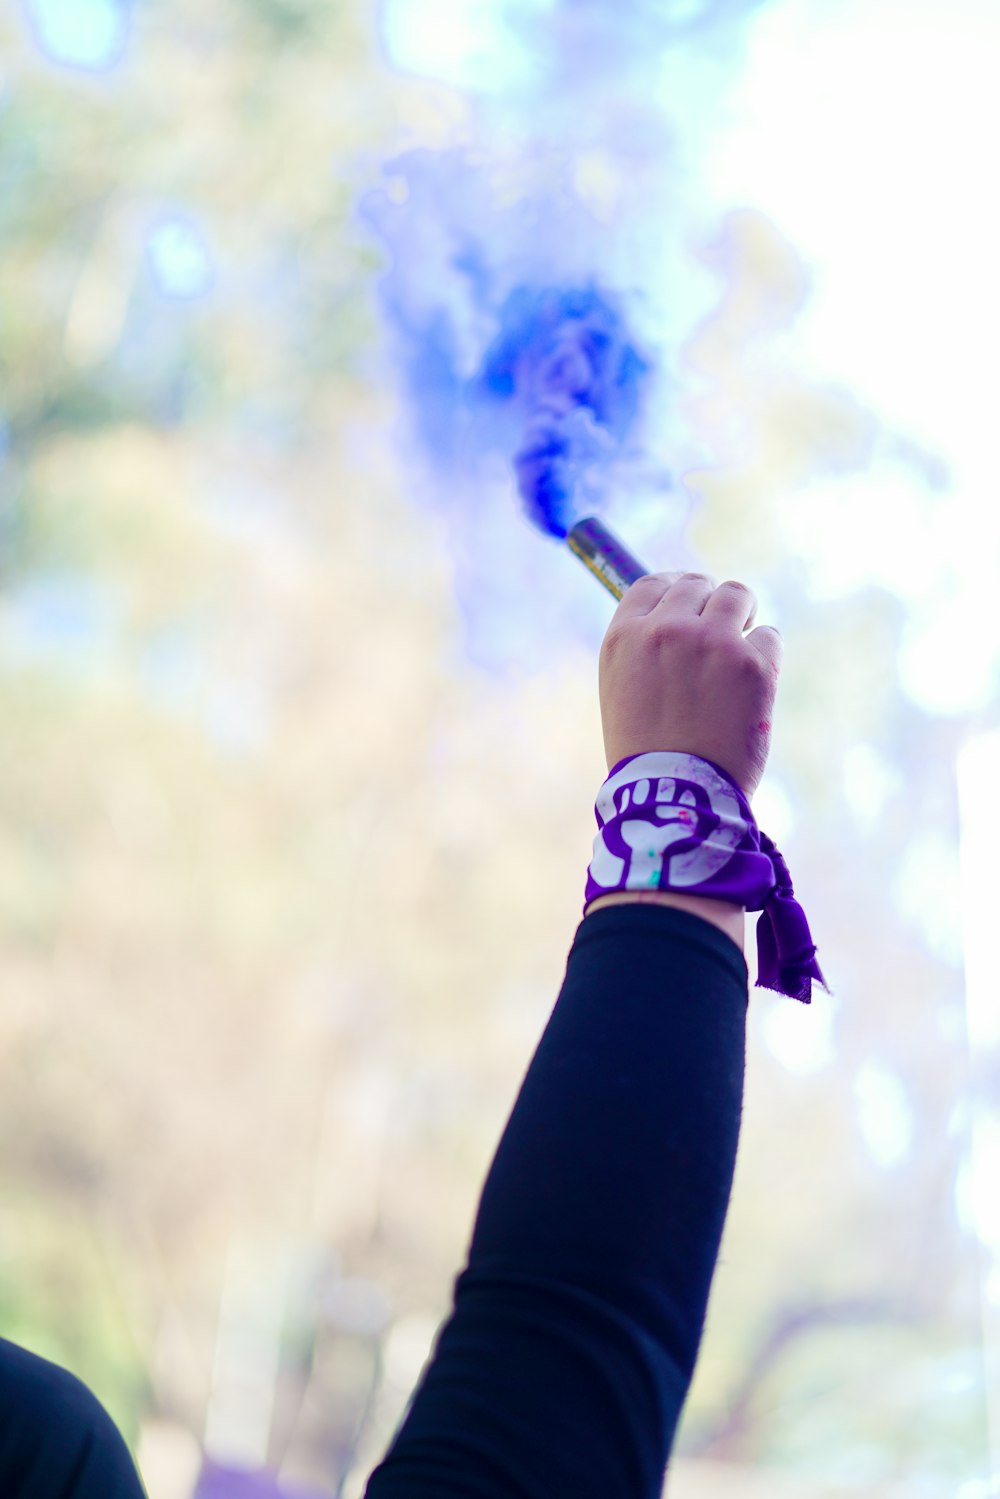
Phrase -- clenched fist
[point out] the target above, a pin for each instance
(677, 672)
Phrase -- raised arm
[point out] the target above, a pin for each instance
(563, 1369)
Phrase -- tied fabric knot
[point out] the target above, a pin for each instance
(786, 952)
(672, 821)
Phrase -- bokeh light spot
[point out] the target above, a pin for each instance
(80, 33)
(180, 259)
(464, 43)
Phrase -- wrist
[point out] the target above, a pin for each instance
(724, 914)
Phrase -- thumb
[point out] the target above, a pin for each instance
(767, 640)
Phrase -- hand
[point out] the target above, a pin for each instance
(678, 673)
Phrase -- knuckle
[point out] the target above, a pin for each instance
(614, 641)
(734, 653)
(673, 627)
(755, 667)
(719, 638)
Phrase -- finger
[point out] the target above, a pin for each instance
(769, 643)
(688, 595)
(645, 593)
(733, 604)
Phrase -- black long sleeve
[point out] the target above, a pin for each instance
(563, 1369)
(56, 1439)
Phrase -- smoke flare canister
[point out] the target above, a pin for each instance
(601, 551)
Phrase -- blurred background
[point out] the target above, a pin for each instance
(301, 736)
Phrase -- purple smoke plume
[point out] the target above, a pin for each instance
(536, 287)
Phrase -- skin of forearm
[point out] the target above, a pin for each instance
(727, 917)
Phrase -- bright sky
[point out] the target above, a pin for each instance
(867, 133)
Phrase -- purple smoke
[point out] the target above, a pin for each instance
(538, 283)
(497, 359)
(565, 361)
